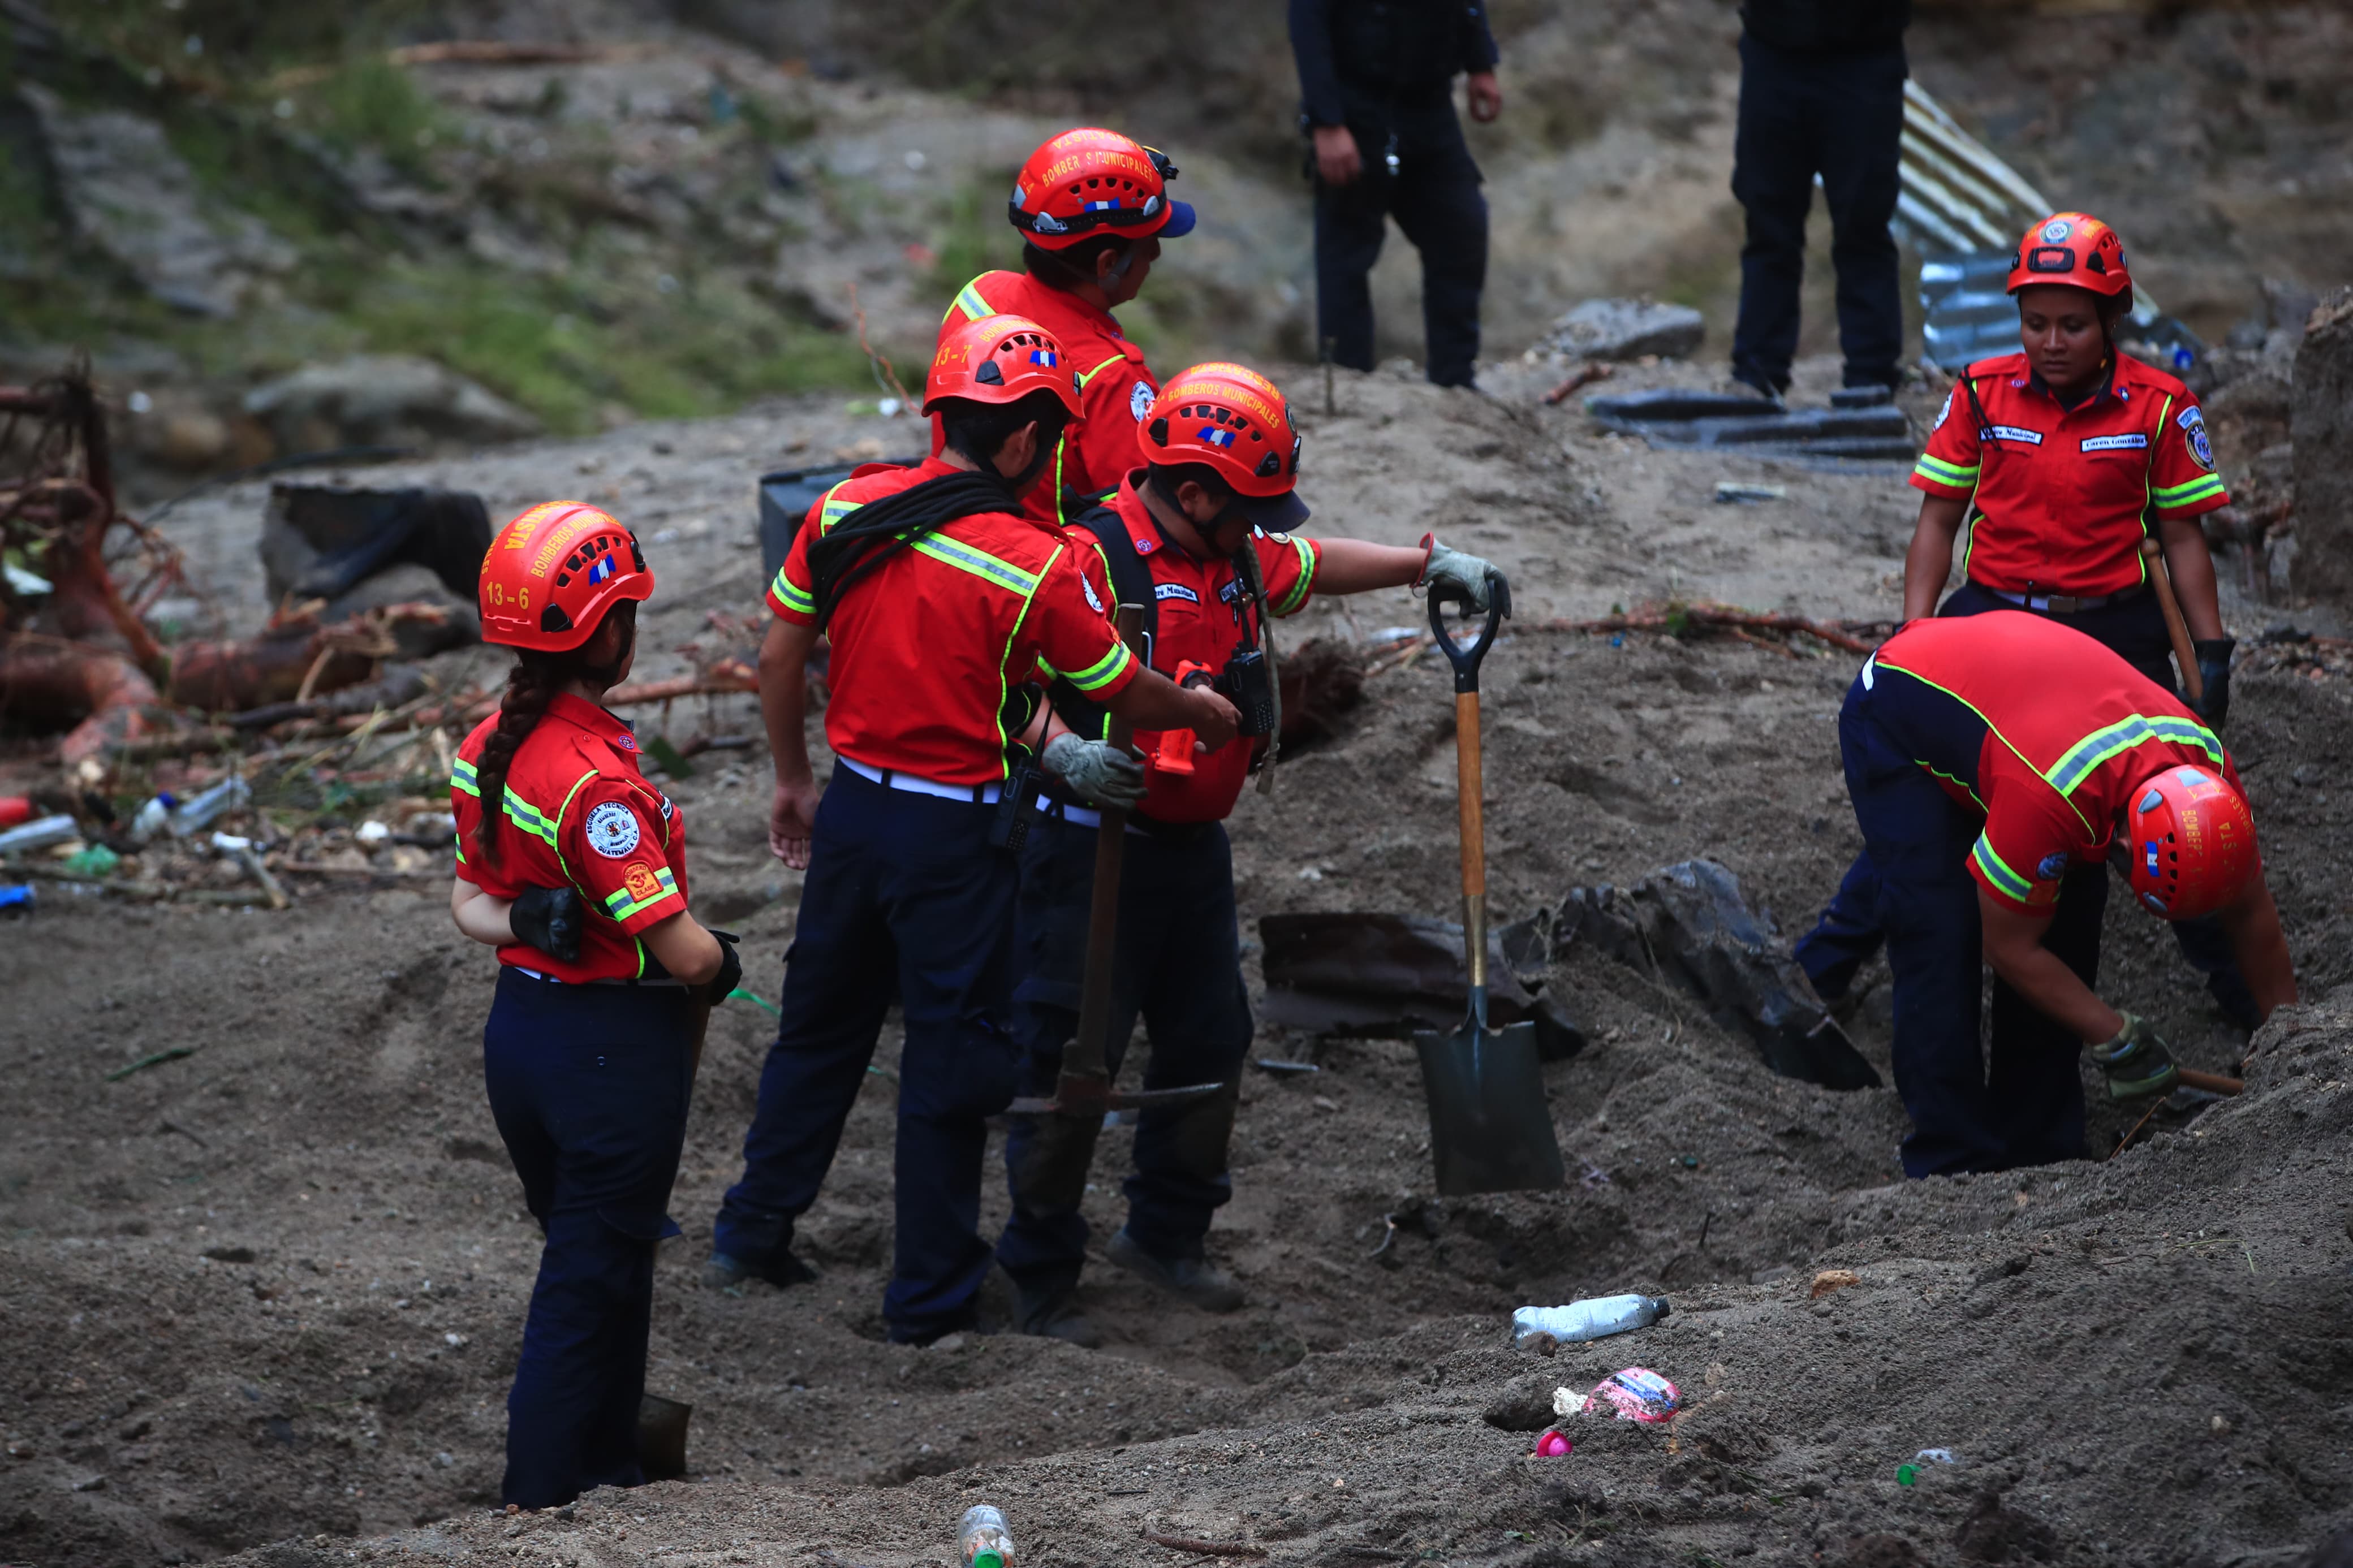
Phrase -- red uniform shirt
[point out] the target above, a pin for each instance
(926, 646)
(578, 812)
(1201, 613)
(2057, 494)
(2070, 732)
(1116, 386)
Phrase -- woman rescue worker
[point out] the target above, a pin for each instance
(2058, 460)
(588, 1055)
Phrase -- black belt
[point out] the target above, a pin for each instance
(2063, 604)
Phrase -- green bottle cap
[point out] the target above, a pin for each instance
(987, 1558)
(1906, 1474)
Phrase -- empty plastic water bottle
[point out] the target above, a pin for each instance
(1594, 1320)
(982, 1539)
(39, 834)
(152, 815)
(200, 811)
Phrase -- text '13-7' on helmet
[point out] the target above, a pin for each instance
(2074, 249)
(1092, 181)
(1000, 359)
(1234, 421)
(2193, 843)
(552, 573)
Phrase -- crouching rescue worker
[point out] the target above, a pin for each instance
(1092, 207)
(1198, 536)
(941, 603)
(1992, 761)
(575, 867)
(2059, 460)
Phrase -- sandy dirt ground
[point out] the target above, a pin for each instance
(266, 1299)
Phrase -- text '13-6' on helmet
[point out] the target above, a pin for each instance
(1234, 421)
(1092, 181)
(1000, 359)
(552, 573)
(2193, 843)
(2074, 249)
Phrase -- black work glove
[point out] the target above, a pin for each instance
(2214, 672)
(549, 919)
(715, 990)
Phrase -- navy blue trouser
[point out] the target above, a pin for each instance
(588, 1085)
(903, 891)
(1842, 117)
(1179, 967)
(1848, 932)
(1435, 198)
(2024, 1106)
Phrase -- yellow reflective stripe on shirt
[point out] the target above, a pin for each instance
(1997, 871)
(621, 905)
(834, 508)
(980, 563)
(1308, 560)
(530, 818)
(2196, 490)
(1938, 472)
(968, 301)
(2078, 761)
(1103, 671)
(791, 595)
(463, 776)
(1089, 375)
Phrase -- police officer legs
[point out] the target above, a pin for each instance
(1434, 195)
(1179, 967)
(1839, 115)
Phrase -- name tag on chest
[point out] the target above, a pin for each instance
(2133, 443)
(1174, 591)
(2012, 433)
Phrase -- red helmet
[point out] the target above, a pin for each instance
(2193, 843)
(2074, 249)
(552, 573)
(1234, 420)
(1000, 359)
(1090, 180)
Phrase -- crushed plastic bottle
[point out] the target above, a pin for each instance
(1637, 1394)
(38, 833)
(1591, 1320)
(200, 811)
(983, 1539)
(151, 816)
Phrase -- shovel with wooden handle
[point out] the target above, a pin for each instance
(1490, 1129)
(2177, 630)
(1053, 1174)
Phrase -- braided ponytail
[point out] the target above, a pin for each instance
(531, 684)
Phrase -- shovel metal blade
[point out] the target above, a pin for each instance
(1490, 1128)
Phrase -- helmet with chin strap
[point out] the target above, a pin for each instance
(1092, 181)
(1234, 422)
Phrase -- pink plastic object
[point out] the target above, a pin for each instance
(1638, 1393)
(1553, 1446)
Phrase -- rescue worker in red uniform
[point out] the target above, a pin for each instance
(1093, 207)
(1989, 758)
(577, 873)
(940, 603)
(2051, 465)
(1200, 536)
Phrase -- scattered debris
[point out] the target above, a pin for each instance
(1637, 1394)
(1741, 421)
(1594, 1319)
(1583, 377)
(1553, 1445)
(1628, 329)
(1733, 492)
(1831, 1281)
(1386, 975)
(1690, 620)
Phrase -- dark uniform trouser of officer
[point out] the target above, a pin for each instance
(1849, 931)
(1435, 198)
(1842, 117)
(588, 1085)
(1179, 966)
(904, 889)
(2024, 1107)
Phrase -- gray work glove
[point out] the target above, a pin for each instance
(1459, 570)
(2135, 1061)
(1096, 770)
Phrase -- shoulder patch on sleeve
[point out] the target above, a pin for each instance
(612, 829)
(641, 882)
(1943, 413)
(1139, 400)
(2193, 424)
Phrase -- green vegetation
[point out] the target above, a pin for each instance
(368, 102)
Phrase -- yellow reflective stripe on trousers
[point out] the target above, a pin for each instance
(2078, 761)
(1997, 871)
(980, 563)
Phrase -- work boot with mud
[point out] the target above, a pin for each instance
(1193, 1279)
(2136, 1062)
(1053, 1314)
(723, 1272)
